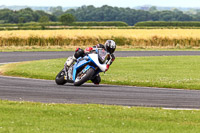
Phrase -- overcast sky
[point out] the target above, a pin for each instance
(97, 3)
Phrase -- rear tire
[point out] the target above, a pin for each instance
(90, 72)
(60, 78)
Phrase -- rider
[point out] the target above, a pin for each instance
(109, 46)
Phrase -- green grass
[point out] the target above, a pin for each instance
(120, 49)
(23, 117)
(36, 50)
(164, 71)
(72, 48)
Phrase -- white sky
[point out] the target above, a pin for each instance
(97, 3)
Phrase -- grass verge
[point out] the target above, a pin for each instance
(72, 48)
(19, 117)
(167, 71)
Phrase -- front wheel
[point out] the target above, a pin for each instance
(82, 78)
(60, 79)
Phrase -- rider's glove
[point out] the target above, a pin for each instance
(87, 50)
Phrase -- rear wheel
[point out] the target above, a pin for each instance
(60, 78)
(83, 77)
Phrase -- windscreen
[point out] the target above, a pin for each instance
(103, 55)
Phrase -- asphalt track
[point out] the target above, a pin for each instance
(22, 89)
(27, 56)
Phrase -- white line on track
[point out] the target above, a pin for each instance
(180, 109)
(7, 63)
(23, 78)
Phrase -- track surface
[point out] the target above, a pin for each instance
(47, 91)
(27, 56)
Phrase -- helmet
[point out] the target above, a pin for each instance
(110, 46)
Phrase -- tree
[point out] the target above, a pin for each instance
(23, 15)
(56, 11)
(43, 21)
(67, 19)
(20, 22)
(153, 9)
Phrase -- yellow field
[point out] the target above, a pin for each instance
(133, 37)
(129, 33)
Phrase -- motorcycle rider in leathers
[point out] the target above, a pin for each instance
(109, 46)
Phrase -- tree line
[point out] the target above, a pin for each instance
(23, 16)
(91, 13)
(130, 16)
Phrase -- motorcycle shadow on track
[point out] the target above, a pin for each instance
(87, 85)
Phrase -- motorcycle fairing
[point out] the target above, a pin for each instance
(80, 64)
(93, 58)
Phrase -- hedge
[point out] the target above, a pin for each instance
(109, 23)
(168, 23)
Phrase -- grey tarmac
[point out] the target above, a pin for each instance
(28, 56)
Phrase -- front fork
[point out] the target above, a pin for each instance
(67, 65)
(66, 72)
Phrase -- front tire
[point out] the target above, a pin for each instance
(60, 78)
(90, 72)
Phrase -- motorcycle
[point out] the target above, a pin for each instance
(84, 69)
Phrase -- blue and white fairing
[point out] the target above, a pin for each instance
(95, 60)
(91, 59)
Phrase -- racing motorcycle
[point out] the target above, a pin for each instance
(84, 69)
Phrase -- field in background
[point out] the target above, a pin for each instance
(135, 38)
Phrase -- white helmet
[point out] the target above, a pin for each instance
(110, 46)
